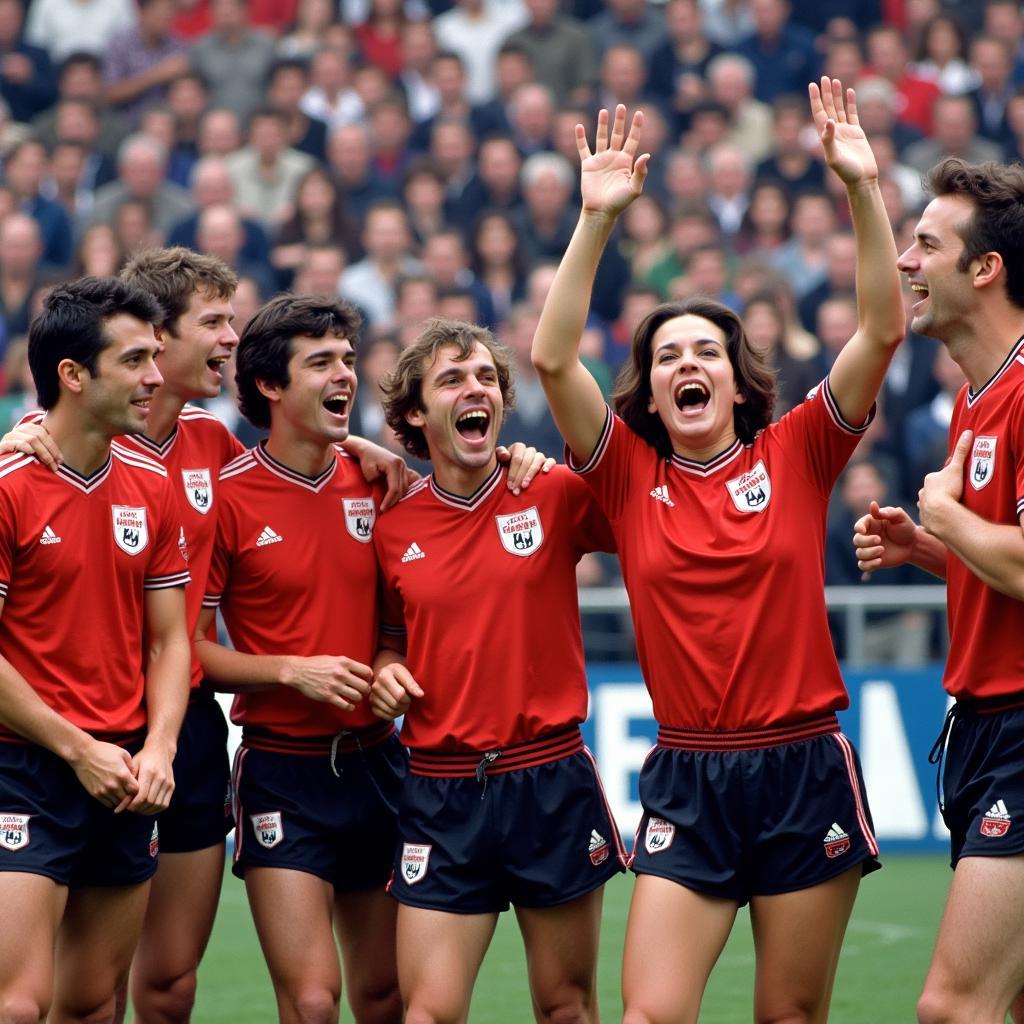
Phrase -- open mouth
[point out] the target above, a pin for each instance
(217, 363)
(692, 396)
(474, 424)
(920, 292)
(337, 405)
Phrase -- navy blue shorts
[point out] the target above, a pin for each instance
(332, 815)
(533, 837)
(49, 825)
(737, 823)
(983, 785)
(200, 812)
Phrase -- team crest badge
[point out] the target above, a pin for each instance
(994, 824)
(198, 489)
(154, 841)
(983, 462)
(268, 827)
(14, 834)
(753, 491)
(659, 835)
(360, 515)
(522, 533)
(130, 532)
(836, 842)
(415, 859)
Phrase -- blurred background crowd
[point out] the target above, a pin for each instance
(418, 158)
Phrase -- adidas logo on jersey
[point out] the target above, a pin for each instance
(413, 552)
(268, 537)
(49, 537)
(836, 841)
(598, 848)
(660, 493)
(996, 821)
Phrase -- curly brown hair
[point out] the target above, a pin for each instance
(403, 386)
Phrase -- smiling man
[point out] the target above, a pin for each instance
(89, 711)
(503, 804)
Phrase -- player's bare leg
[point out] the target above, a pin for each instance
(977, 968)
(561, 958)
(1017, 1009)
(26, 952)
(293, 912)
(674, 936)
(179, 919)
(365, 923)
(95, 944)
(797, 939)
(439, 957)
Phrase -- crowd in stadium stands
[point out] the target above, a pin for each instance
(418, 158)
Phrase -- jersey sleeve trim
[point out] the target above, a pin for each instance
(178, 579)
(391, 629)
(212, 600)
(1020, 507)
(599, 449)
(4, 585)
(837, 417)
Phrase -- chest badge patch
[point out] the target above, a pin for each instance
(983, 462)
(751, 492)
(360, 515)
(131, 534)
(522, 533)
(198, 489)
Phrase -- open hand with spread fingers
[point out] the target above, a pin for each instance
(612, 175)
(846, 147)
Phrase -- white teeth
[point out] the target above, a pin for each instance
(918, 288)
(477, 414)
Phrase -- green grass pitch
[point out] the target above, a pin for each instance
(883, 964)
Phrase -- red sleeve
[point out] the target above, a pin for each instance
(591, 529)
(167, 566)
(220, 559)
(609, 469)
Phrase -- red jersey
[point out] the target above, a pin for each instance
(293, 571)
(193, 456)
(986, 657)
(487, 587)
(725, 569)
(76, 554)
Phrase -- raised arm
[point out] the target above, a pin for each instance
(610, 179)
(860, 367)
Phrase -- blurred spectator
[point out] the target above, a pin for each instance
(727, 21)
(783, 54)
(1015, 122)
(637, 302)
(21, 249)
(685, 179)
(765, 224)
(11, 132)
(288, 82)
(1004, 19)
(476, 30)
(692, 226)
(709, 127)
(993, 61)
(320, 270)
(926, 428)
(418, 50)
(532, 118)
(876, 107)
(370, 283)
(802, 259)
(955, 135)
(416, 297)
(24, 170)
(266, 172)
(423, 197)
(233, 58)
(451, 148)
(678, 65)
(134, 228)
(844, 59)
(731, 84)
(63, 27)
(498, 165)
(817, 15)
(457, 303)
(707, 274)
(390, 130)
(379, 36)
(446, 261)
(371, 84)
(560, 50)
(792, 162)
(449, 78)
(26, 74)
(645, 241)
(914, 96)
(840, 276)
(306, 34)
(142, 170)
(730, 177)
(766, 329)
(330, 97)
(80, 78)
(350, 161)
(77, 123)
(69, 184)
(98, 253)
(549, 215)
(835, 325)
(633, 23)
(220, 133)
(141, 60)
(376, 357)
(187, 99)
(623, 79)
(942, 55)
(220, 233)
(512, 70)
(497, 261)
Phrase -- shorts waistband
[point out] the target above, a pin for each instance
(349, 741)
(989, 705)
(134, 737)
(482, 763)
(747, 739)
